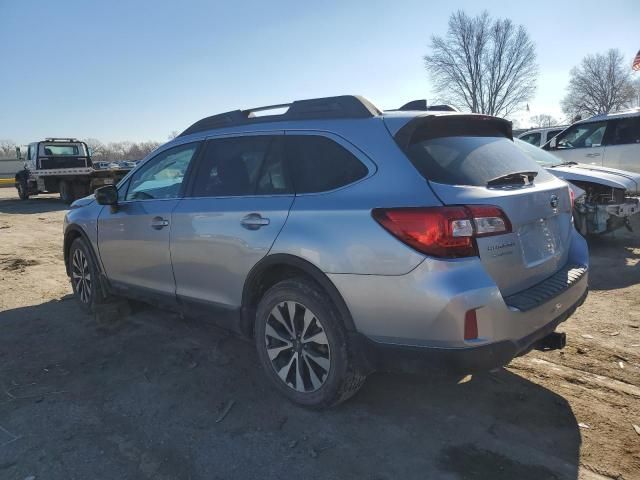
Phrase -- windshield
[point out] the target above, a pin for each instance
(540, 156)
(62, 150)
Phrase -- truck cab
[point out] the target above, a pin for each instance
(55, 153)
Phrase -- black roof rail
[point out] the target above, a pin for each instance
(442, 108)
(414, 105)
(344, 106)
(421, 106)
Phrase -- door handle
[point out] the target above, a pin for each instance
(159, 223)
(591, 155)
(254, 221)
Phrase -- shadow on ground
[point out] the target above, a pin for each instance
(615, 259)
(144, 397)
(39, 204)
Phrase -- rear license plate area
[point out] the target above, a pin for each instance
(539, 240)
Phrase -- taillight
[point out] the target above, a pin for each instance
(446, 232)
(488, 220)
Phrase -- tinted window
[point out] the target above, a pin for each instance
(626, 131)
(552, 133)
(273, 177)
(161, 177)
(122, 191)
(470, 160)
(532, 138)
(63, 150)
(319, 164)
(240, 166)
(581, 136)
(541, 157)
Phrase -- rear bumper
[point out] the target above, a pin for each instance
(375, 356)
(417, 319)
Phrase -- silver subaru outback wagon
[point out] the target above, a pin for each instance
(342, 239)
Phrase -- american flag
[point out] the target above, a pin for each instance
(636, 63)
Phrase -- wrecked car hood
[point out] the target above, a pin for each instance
(610, 177)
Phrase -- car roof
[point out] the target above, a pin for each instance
(545, 129)
(632, 112)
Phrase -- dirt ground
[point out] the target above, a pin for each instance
(143, 397)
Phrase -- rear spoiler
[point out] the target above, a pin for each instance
(428, 126)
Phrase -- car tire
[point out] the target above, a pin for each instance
(66, 192)
(326, 374)
(23, 188)
(84, 277)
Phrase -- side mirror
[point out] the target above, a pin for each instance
(553, 143)
(107, 195)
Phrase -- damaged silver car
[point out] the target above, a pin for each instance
(605, 198)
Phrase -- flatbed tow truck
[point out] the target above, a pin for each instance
(64, 166)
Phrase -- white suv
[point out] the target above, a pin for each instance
(608, 140)
(540, 136)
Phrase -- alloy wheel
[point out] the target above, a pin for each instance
(297, 346)
(81, 276)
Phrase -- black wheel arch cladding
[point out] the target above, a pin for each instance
(253, 289)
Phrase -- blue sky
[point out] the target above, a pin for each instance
(136, 70)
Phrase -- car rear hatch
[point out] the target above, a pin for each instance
(471, 160)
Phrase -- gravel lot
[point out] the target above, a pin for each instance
(142, 396)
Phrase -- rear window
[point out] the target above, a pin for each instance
(470, 160)
(62, 150)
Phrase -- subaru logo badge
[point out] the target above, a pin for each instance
(554, 201)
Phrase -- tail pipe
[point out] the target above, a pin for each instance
(553, 341)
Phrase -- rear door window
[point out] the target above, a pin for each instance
(471, 160)
(319, 164)
(626, 131)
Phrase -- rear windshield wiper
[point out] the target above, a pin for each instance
(564, 164)
(514, 178)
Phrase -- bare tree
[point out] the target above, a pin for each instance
(119, 150)
(600, 84)
(7, 149)
(147, 147)
(486, 65)
(636, 88)
(173, 134)
(96, 148)
(543, 121)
